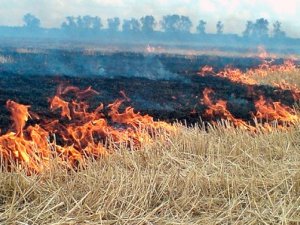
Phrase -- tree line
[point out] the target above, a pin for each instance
(171, 24)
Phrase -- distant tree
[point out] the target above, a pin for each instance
(176, 23)
(277, 32)
(69, 24)
(84, 23)
(89, 22)
(113, 24)
(261, 29)
(169, 22)
(132, 25)
(96, 23)
(185, 24)
(220, 27)
(148, 24)
(201, 27)
(31, 21)
(80, 23)
(249, 29)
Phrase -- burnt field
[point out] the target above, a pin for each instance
(167, 87)
(67, 159)
(85, 63)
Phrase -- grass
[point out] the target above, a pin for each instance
(197, 176)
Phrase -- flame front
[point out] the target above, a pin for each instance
(272, 111)
(266, 111)
(219, 110)
(82, 135)
(80, 132)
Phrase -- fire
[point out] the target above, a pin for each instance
(262, 53)
(219, 110)
(206, 70)
(274, 111)
(266, 111)
(232, 74)
(236, 75)
(267, 68)
(295, 91)
(58, 103)
(78, 131)
(129, 117)
(19, 115)
(82, 135)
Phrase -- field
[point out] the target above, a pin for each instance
(237, 171)
(197, 177)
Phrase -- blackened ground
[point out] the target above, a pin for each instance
(164, 86)
(167, 100)
(127, 64)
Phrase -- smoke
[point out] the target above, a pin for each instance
(84, 63)
(6, 59)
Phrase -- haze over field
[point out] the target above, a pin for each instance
(233, 13)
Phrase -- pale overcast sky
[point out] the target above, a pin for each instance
(234, 13)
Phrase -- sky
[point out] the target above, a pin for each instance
(233, 13)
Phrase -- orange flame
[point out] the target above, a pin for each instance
(206, 70)
(272, 111)
(57, 103)
(236, 75)
(264, 69)
(19, 115)
(262, 53)
(295, 91)
(83, 136)
(219, 110)
(81, 132)
(265, 111)
(267, 68)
